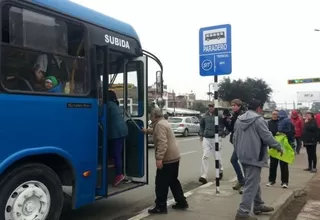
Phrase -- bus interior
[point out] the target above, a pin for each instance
(123, 71)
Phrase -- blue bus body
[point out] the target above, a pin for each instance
(68, 132)
(77, 11)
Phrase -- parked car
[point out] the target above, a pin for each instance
(185, 125)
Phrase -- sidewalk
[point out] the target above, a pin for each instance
(311, 210)
(205, 204)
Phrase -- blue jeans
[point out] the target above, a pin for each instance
(237, 168)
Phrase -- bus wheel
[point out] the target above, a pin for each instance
(31, 191)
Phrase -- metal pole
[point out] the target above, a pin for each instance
(174, 103)
(216, 123)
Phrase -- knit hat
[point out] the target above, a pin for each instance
(53, 80)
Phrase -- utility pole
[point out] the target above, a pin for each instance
(174, 103)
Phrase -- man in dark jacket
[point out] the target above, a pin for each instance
(236, 106)
(207, 137)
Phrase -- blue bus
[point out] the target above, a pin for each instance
(54, 142)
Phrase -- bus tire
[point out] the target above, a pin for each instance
(31, 189)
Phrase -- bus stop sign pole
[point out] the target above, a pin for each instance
(216, 136)
(214, 60)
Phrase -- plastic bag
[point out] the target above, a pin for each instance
(288, 153)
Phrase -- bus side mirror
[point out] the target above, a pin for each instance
(159, 82)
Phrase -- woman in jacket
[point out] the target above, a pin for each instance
(117, 131)
(297, 121)
(310, 136)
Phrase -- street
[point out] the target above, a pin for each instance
(126, 205)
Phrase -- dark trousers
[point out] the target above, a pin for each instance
(298, 144)
(117, 147)
(312, 156)
(165, 178)
(284, 167)
(237, 168)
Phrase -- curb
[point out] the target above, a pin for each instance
(144, 213)
(284, 201)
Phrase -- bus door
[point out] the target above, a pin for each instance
(135, 107)
(99, 63)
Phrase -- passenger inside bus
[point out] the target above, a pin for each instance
(53, 85)
(47, 47)
(50, 65)
(117, 132)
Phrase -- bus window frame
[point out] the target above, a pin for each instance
(65, 18)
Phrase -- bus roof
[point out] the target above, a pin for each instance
(86, 14)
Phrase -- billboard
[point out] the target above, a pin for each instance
(312, 96)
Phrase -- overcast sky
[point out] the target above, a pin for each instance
(274, 40)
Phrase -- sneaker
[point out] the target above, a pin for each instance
(181, 206)
(307, 169)
(245, 217)
(158, 210)
(118, 180)
(241, 190)
(271, 183)
(237, 186)
(221, 174)
(314, 170)
(203, 180)
(284, 185)
(261, 209)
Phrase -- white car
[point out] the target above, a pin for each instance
(185, 125)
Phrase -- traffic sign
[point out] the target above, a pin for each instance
(215, 50)
(302, 81)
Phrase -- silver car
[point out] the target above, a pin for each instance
(185, 125)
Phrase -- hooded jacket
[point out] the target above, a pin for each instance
(297, 122)
(285, 125)
(251, 138)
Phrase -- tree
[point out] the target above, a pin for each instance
(245, 90)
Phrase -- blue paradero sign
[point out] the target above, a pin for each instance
(215, 50)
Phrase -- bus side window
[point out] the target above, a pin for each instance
(37, 46)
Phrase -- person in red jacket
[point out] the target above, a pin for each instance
(318, 119)
(298, 125)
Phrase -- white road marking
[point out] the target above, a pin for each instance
(170, 202)
(188, 139)
(188, 152)
(233, 179)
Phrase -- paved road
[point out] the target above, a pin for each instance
(124, 206)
